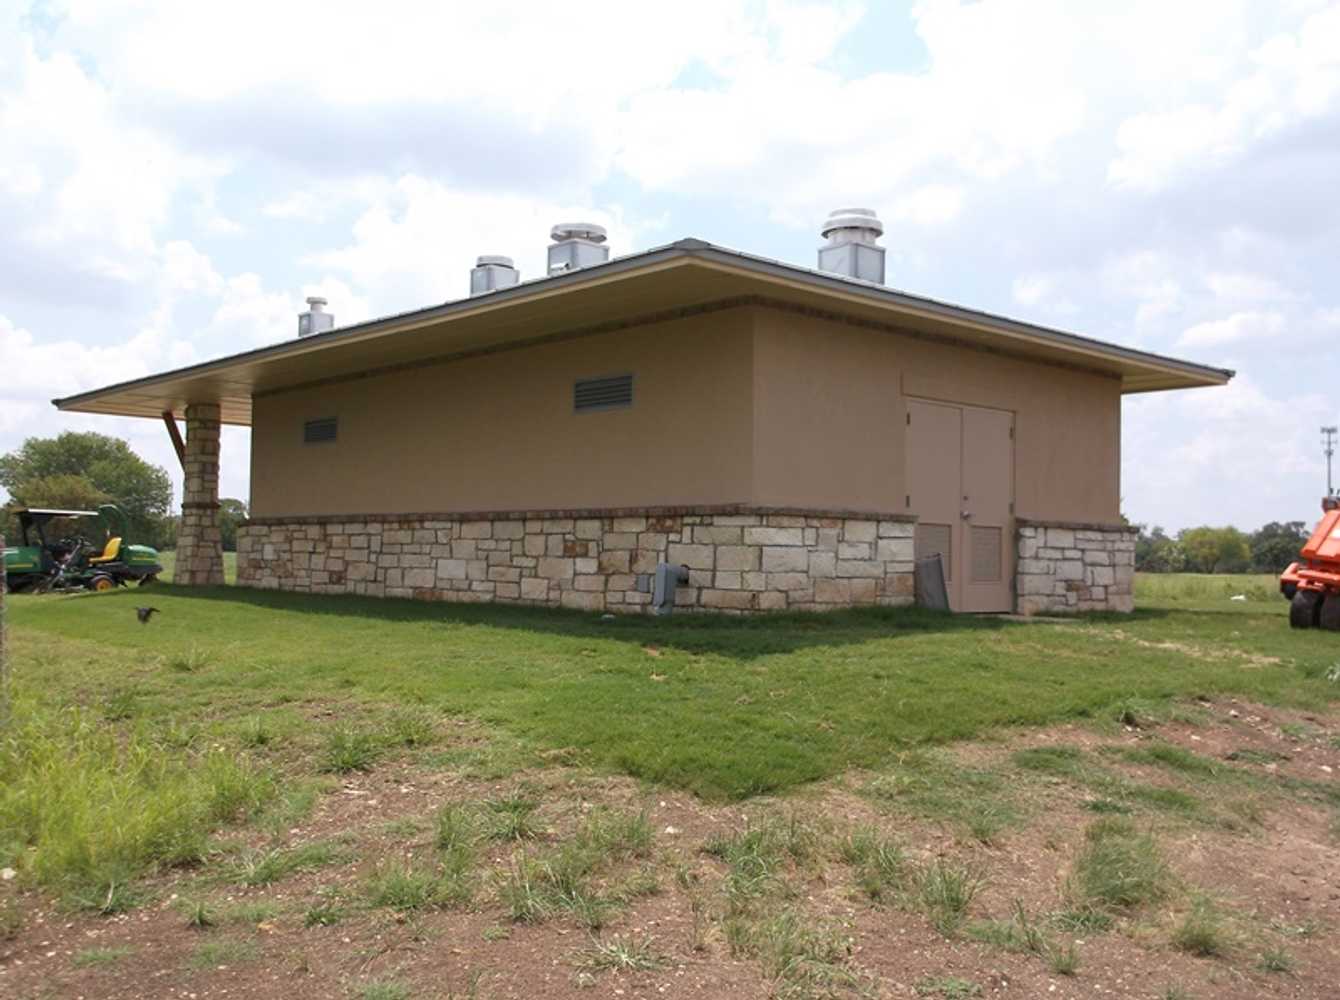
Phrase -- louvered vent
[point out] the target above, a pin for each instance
(933, 539)
(987, 554)
(319, 431)
(602, 393)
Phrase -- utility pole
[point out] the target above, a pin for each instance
(1328, 446)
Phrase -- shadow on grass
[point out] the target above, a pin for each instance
(730, 635)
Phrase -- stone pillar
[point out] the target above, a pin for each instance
(199, 543)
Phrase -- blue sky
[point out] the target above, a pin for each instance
(175, 178)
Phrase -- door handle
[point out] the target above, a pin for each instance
(966, 515)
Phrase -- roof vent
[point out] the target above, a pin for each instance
(492, 272)
(851, 250)
(576, 245)
(315, 319)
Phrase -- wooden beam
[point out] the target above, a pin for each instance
(175, 433)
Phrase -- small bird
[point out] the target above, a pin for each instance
(143, 614)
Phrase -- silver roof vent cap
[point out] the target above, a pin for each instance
(492, 272)
(315, 319)
(852, 250)
(576, 245)
(852, 223)
(577, 231)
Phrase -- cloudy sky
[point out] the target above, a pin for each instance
(176, 177)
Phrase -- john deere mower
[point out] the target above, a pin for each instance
(1312, 585)
(55, 554)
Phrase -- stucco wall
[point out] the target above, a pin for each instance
(498, 431)
(830, 411)
(747, 405)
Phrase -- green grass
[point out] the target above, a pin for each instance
(551, 680)
(94, 957)
(223, 951)
(1206, 590)
(1119, 866)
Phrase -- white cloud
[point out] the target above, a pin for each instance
(1232, 329)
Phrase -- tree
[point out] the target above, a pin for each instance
(1276, 545)
(232, 513)
(141, 490)
(62, 491)
(1216, 550)
(1155, 552)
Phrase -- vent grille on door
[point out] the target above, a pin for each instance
(933, 538)
(987, 557)
(602, 393)
(319, 431)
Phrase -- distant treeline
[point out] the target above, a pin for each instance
(1219, 550)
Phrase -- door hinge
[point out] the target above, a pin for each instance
(1011, 506)
(909, 420)
(907, 501)
(1011, 432)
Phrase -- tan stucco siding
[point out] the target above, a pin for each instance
(830, 416)
(498, 432)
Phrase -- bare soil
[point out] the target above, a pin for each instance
(1271, 868)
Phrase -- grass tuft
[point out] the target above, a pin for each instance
(1275, 959)
(879, 862)
(383, 989)
(944, 891)
(1201, 931)
(1119, 867)
(91, 957)
(349, 750)
(400, 885)
(947, 987)
(619, 953)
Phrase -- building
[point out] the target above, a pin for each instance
(794, 437)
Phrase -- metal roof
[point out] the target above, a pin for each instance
(643, 286)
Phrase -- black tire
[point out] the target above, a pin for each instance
(1288, 590)
(1304, 609)
(1329, 615)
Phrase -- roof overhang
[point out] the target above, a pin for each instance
(682, 276)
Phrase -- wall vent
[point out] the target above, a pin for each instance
(320, 431)
(607, 393)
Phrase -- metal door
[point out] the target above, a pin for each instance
(960, 475)
(934, 472)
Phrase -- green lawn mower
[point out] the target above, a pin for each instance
(55, 554)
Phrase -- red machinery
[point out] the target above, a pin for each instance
(1312, 584)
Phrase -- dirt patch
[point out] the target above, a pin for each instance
(1273, 876)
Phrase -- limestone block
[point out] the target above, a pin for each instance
(854, 550)
(859, 568)
(859, 531)
(783, 559)
(555, 569)
(774, 536)
(822, 564)
(615, 562)
(533, 589)
(740, 600)
(692, 556)
(737, 557)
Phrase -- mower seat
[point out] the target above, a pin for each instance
(110, 553)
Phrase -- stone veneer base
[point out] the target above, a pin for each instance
(740, 559)
(1064, 566)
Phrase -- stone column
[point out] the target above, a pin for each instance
(199, 543)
